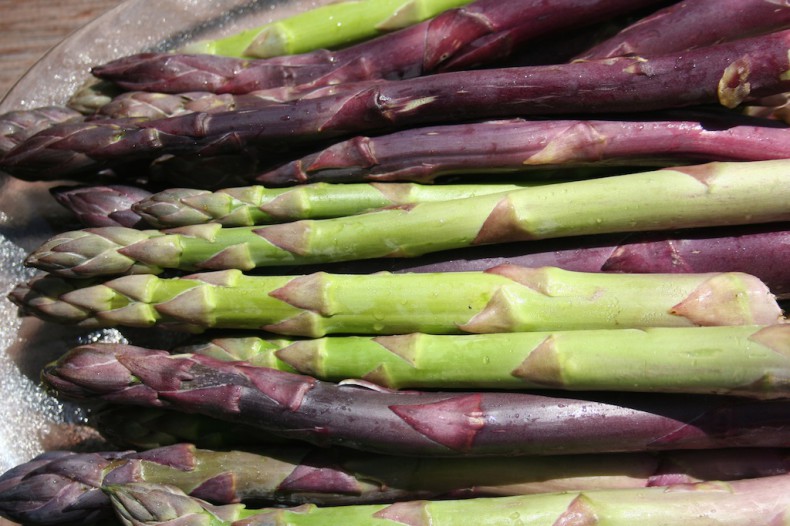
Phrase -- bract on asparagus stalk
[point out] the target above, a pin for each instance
(693, 23)
(502, 299)
(63, 488)
(415, 50)
(332, 25)
(416, 423)
(751, 502)
(714, 194)
(725, 74)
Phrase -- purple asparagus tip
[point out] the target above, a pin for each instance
(105, 205)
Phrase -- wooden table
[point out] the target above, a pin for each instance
(29, 28)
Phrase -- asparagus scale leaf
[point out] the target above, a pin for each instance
(66, 487)
(752, 502)
(411, 422)
(502, 299)
(713, 194)
(725, 74)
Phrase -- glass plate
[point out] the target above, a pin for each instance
(30, 421)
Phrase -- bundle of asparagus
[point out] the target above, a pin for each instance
(603, 322)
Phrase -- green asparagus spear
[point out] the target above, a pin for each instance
(258, 205)
(751, 502)
(704, 195)
(743, 361)
(503, 299)
(329, 26)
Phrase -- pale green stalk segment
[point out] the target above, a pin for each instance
(329, 26)
(504, 299)
(258, 205)
(736, 360)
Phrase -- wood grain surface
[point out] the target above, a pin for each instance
(29, 28)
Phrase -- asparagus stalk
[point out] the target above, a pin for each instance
(415, 423)
(516, 145)
(300, 474)
(696, 196)
(332, 25)
(751, 502)
(259, 205)
(149, 428)
(741, 361)
(691, 24)
(725, 74)
(415, 50)
(99, 206)
(502, 299)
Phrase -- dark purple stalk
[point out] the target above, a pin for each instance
(726, 74)
(410, 52)
(415, 423)
(691, 24)
(517, 145)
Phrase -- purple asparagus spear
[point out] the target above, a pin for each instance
(516, 145)
(410, 422)
(410, 52)
(693, 23)
(726, 74)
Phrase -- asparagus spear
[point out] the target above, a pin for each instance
(149, 428)
(409, 52)
(690, 24)
(502, 299)
(415, 423)
(751, 502)
(695, 196)
(258, 205)
(98, 206)
(332, 25)
(742, 361)
(299, 474)
(516, 145)
(726, 74)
